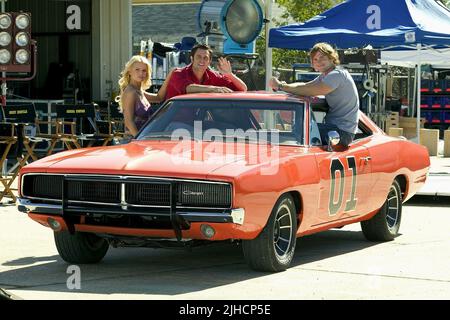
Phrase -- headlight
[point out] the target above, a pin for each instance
(22, 56)
(5, 38)
(22, 21)
(22, 39)
(5, 21)
(5, 56)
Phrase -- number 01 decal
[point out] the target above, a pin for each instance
(337, 166)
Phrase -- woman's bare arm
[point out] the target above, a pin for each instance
(128, 102)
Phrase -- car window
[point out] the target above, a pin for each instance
(363, 131)
(282, 120)
(319, 116)
(267, 119)
(314, 133)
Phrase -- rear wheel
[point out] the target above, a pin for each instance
(80, 247)
(384, 226)
(274, 247)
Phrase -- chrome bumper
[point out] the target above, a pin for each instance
(226, 216)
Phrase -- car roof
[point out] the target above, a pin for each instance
(249, 95)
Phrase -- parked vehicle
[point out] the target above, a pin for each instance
(247, 167)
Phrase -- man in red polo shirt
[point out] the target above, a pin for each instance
(198, 77)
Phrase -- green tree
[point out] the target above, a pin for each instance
(445, 3)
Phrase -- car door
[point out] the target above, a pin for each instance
(345, 182)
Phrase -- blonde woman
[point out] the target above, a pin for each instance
(134, 101)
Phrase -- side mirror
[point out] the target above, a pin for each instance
(333, 140)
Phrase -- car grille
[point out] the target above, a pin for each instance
(204, 194)
(44, 186)
(148, 194)
(93, 191)
(128, 191)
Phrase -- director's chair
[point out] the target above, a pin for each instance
(103, 129)
(96, 131)
(8, 138)
(25, 117)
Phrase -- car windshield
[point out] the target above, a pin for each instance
(248, 121)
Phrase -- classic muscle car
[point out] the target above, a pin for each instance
(246, 167)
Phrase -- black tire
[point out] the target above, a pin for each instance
(384, 226)
(80, 247)
(274, 247)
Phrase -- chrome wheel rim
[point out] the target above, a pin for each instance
(393, 208)
(282, 235)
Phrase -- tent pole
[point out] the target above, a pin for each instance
(410, 110)
(419, 80)
(268, 11)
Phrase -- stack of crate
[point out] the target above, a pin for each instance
(402, 126)
(409, 126)
(392, 125)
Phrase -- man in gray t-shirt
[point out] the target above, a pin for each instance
(343, 100)
(339, 89)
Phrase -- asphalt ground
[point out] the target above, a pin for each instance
(336, 264)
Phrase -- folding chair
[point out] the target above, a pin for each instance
(24, 115)
(103, 129)
(68, 136)
(8, 138)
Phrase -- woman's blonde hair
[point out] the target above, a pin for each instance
(124, 79)
(327, 50)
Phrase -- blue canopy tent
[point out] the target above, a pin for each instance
(406, 24)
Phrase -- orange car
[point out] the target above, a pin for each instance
(206, 167)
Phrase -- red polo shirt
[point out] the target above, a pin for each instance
(182, 77)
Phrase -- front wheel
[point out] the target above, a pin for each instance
(385, 224)
(80, 247)
(274, 247)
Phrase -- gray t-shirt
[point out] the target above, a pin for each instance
(343, 100)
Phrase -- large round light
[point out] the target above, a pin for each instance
(22, 21)
(243, 20)
(22, 39)
(5, 56)
(5, 38)
(22, 56)
(5, 21)
(240, 21)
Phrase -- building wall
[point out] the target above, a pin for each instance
(111, 44)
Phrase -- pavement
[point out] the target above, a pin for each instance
(336, 264)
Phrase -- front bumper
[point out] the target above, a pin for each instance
(224, 216)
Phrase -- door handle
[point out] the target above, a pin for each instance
(366, 159)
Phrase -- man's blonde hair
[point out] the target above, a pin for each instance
(327, 50)
(124, 79)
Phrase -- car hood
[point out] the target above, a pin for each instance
(157, 158)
